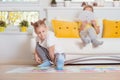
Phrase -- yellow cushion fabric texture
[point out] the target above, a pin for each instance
(111, 28)
(65, 29)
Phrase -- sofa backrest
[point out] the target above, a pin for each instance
(70, 14)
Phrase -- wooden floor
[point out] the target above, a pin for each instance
(55, 76)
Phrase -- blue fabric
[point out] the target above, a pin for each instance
(60, 62)
(45, 64)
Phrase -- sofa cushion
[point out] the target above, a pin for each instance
(65, 29)
(73, 46)
(111, 28)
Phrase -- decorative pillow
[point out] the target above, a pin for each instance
(111, 29)
(66, 29)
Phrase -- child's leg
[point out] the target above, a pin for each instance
(60, 58)
(43, 54)
(84, 37)
(93, 37)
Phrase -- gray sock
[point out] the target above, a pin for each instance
(96, 43)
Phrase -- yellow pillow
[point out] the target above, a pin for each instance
(111, 29)
(65, 29)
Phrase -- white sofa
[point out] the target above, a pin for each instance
(109, 52)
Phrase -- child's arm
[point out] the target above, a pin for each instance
(51, 52)
(37, 58)
(96, 27)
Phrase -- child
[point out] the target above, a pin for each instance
(89, 28)
(47, 50)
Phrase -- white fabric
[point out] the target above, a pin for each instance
(50, 41)
(73, 46)
(86, 16)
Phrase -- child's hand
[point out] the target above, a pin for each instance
(37, 59)
(97, 29)
(94, 23)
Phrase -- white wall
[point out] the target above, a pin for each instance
(15, 47)
(44, 4)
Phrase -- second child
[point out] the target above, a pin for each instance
(89, 28)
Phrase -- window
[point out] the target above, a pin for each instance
(14, 17)
(26, 10)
